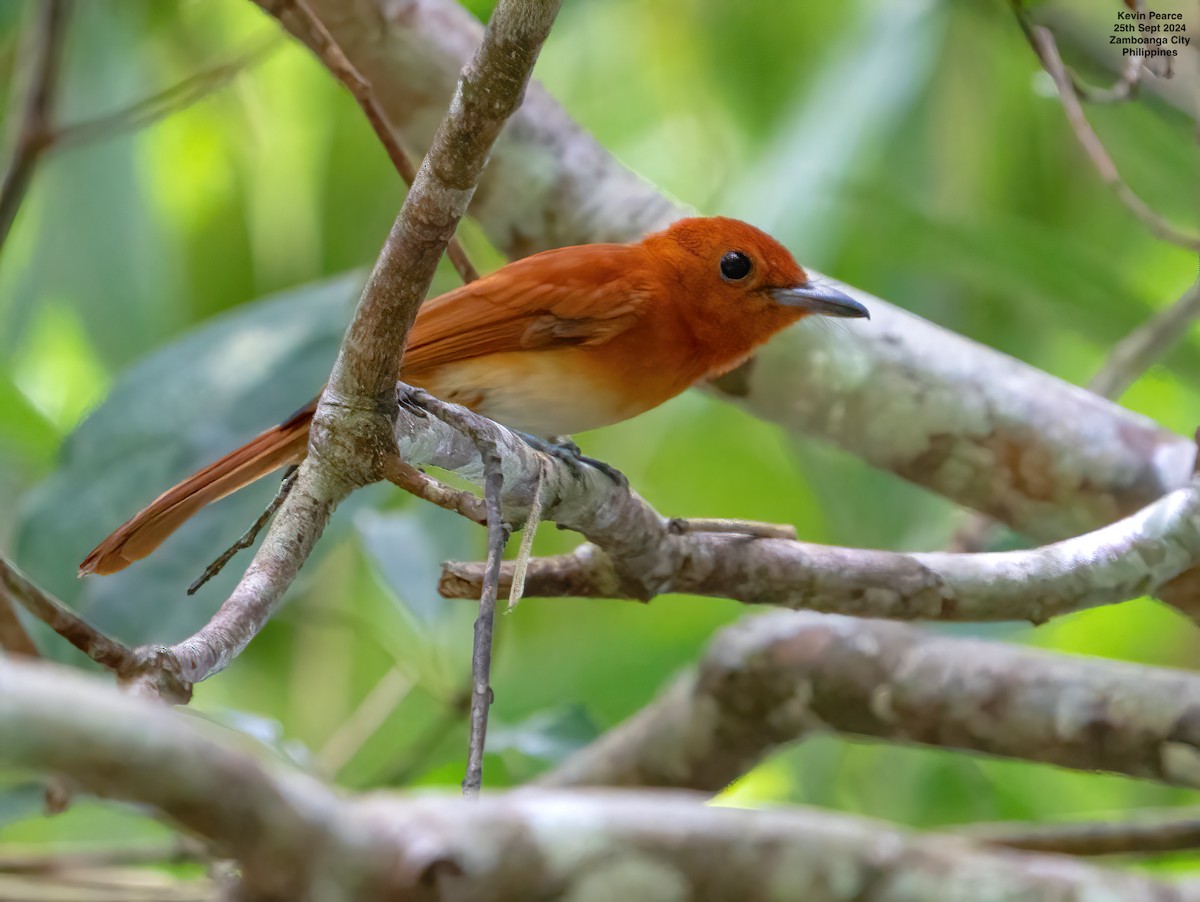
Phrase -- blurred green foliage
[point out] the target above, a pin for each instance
(908, 148)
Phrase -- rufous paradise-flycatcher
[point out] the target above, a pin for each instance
(559, 342)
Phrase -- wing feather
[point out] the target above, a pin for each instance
(575, 296)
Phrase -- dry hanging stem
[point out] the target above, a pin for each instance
(1047, 50)
(481, 654)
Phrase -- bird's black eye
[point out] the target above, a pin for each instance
(735, 266)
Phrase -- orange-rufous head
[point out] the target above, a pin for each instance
(740, 285)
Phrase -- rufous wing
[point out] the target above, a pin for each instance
(568, 297)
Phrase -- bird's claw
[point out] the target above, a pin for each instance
(607, 469)
(407, 399)
(566, 450)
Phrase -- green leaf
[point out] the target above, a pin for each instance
(266, 732)
(56, 367)
(878, 72)
(91, 206)
(26, 431)
(21, 800)
(167, 415)
(406, 547)
(542, 739)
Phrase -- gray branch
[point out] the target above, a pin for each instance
(62, 722)
(16, 589)
(297, 840)
(289, 541)
(1146, 345)
(786, 676)
(575, 494)
(635, 554)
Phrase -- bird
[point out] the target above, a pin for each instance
(563, 341)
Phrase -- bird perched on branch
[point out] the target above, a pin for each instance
(557, 343)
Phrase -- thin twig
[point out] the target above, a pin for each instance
(150, 670)
(33, 124)
(38, 859)
(38, 135)
(248, 537)
(1145, 345)
(14, 638)
(484, 435)
(97, 646)
(1169, 830)
(339, 64)
(159, 106)
(1123, 89)
(681, 526)
(421, 748)
(412, 480)
(1094, 148)
(481, 653)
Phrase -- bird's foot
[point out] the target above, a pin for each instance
(408, 399)
(564, 449)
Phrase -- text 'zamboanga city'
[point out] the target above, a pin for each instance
(1149, 33)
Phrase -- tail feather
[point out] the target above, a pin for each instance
(277, 447)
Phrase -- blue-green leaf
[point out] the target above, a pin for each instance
(166, 416)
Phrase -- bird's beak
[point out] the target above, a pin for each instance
(821, 298)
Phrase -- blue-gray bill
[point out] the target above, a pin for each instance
(820, 298)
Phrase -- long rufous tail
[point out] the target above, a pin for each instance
(148, 528)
